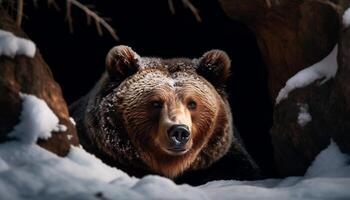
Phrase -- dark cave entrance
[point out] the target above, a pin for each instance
(77, 60)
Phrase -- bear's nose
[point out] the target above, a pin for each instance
(178, 135)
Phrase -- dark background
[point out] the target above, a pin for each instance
(77, 60)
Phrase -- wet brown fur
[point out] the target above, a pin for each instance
(117, 122)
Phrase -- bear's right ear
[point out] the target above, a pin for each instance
(215, 66)
(121, 62)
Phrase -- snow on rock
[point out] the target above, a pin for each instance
(60, 128)
(304, 116)
(325, 69)
(346, 18)
(10, 45)
(36, 120)
(69, 137)
(72, 120)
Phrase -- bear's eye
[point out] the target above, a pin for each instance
(156, 104)
(191, 105)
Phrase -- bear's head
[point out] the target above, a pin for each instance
(173, 112)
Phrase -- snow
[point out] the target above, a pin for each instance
(69, 137)
(31, 172)
(304, 116)
(346, 18)
(323, 70)
(10, 45)
(72, 121)
(334, 161)
(327, 178)
(31, 127)
(60, 128)
(28, 171)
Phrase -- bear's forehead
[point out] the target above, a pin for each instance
(158, 78)
(156, 82)
(171, 72)
(176, 75)
(171, 65)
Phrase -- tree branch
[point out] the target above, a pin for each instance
(19, 12)
(99, 21)
(194, 10)
(187, 4)
(171, 7)
(52, 3)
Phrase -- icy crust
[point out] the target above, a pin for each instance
(10, 45)
(30, 172)
(36, 120)
(323, 70)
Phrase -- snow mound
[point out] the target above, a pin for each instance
(328, 162)
(327, 178)
(36, 120)
(31, 172)
(10, 45)
(346, 18)
(325, 69)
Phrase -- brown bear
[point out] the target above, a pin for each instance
(162, 116)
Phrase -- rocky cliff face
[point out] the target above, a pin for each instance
(293, 35)
(31, 76)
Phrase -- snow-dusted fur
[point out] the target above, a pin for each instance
(116, 123)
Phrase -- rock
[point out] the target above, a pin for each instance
(341, 92)
(32, 76)
(293, 35)
(296, 145)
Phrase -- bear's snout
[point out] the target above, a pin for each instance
(179, 135)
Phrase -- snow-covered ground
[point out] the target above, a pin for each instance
(28, 171)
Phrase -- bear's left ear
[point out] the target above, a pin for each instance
(215, 66)
(121, 62)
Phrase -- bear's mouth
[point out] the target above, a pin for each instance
(176, 151)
